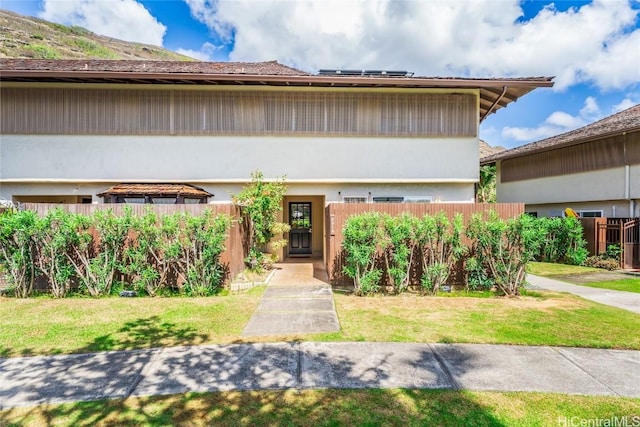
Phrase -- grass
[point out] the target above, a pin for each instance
(552, 269)
(628, 285)
(41, 51)
(584, 276)
(92, 49)
(332, 408)
(40, 326)
(549, 319)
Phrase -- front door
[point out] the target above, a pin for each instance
(300, 234)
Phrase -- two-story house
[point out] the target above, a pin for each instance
(593, 170)
(73, 131)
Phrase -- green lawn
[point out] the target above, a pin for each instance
(552, 269)
(628, 285)
(38, 326)
(332, 408)
(41, 326)
(549, 319)
(586, 276)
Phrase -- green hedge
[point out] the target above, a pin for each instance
(101, 254)
(384, 250)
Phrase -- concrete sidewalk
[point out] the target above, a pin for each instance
(27, 381)
(625, 300)
(295, 302)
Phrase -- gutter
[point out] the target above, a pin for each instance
(504, 91)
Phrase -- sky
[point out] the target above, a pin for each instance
(591, 47)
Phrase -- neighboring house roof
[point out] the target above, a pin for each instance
(624, 121)
(495, 93)
(155, 190)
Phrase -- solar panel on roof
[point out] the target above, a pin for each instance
(368, 73)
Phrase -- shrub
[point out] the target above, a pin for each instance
(18, 250)
(602, 262)
(53, 238)
(399, 242)
(505, 246)
(142, 260)
(98, 247)
(203, 244)
(153, 253)
(362, 235)
(440, 247)
(561, 240)
(478, 275)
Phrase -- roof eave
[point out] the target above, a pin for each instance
(506, 155)
(313, 79)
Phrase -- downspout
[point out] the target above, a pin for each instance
(504, 91)
(627, 180)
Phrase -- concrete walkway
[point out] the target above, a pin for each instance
(625, 300)
(28, 381)
(295, 302)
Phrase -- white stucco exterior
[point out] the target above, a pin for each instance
(443, 168)
(614, 191)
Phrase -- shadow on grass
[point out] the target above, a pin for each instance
(147, 332)
(302, 384)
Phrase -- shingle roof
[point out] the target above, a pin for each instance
(269, 68)
(155, 190)
(495, 93)
(624, 121)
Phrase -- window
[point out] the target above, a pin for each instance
(418, 199)
(532, 214)
(191, 201)
(590, 214)
(355, 199)
(138, 200)
(388, 199)
(163, 200)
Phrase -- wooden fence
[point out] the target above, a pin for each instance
(337, 213)
(600, 233)
(233, 256)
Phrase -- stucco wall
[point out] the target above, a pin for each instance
(609, 208)
(128, 158)
(445, 192)
(601, 185)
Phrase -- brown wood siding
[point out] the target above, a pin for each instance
(76, 111)
(232, 257)
(605, 153)
(336, 215)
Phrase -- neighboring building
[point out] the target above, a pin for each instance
(73, 129)
(594, 170)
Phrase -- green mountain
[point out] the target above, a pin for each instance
(28, 37)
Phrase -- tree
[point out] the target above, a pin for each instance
(487, 184)
(260, 202)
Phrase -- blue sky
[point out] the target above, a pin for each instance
(592, 47)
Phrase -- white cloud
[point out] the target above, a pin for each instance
(556, 123)
(596, 43)
(624, 104)
(208, 52)
(591, 108)
(122, 19)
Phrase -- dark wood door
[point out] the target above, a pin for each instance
(300, 234)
